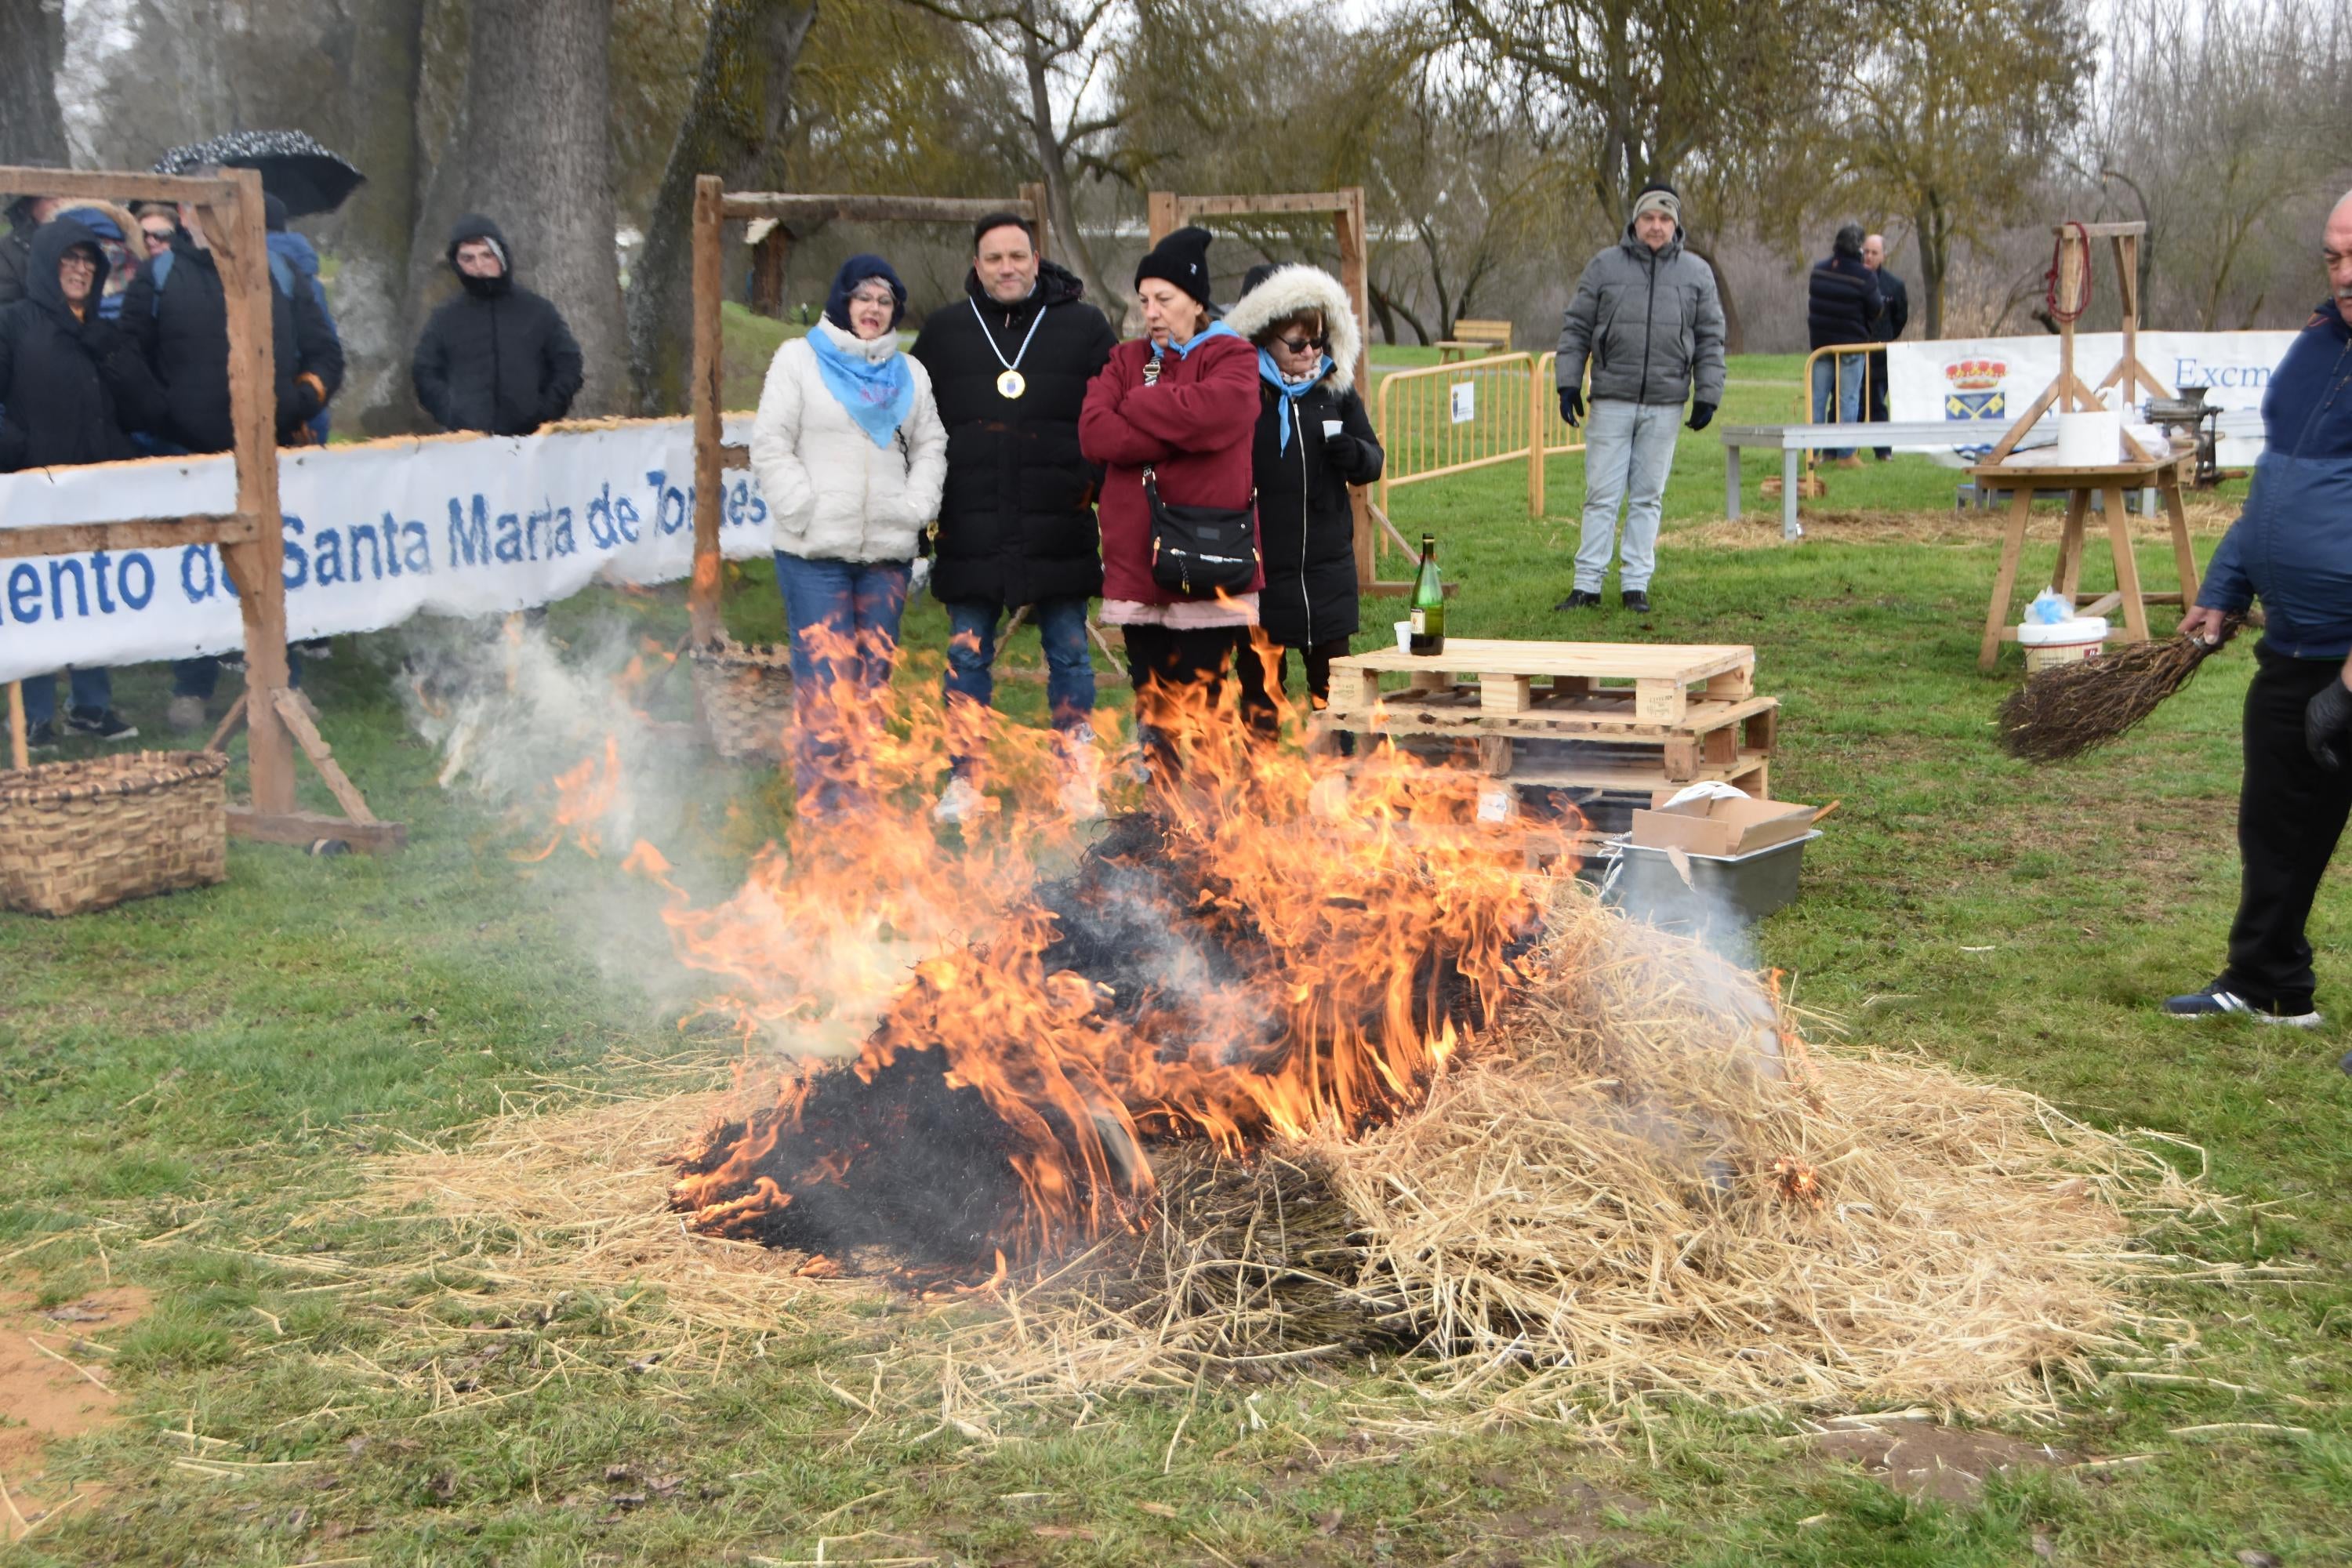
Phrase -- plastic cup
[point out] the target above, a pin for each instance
(1404, 637)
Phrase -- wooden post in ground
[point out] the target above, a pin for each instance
(240, 249)
(1040, 215)
(1348, 227)
(1161, 211)
(709, 283)
(20, 756)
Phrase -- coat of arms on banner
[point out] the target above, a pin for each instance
(1973, 389)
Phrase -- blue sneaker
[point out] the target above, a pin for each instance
(2218, 1002)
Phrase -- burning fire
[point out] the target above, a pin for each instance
(1279, 942)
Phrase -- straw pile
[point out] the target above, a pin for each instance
(2067, 710)
(1643, 1182)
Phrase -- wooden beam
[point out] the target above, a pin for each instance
(1190, 207)
(2101, 230)
(734, 457)
(1161, 207)
(322, 757)
(304, 828)
(116, 187)
(1041, 213)
(19, 756)
(787, 205)
(136, 533)
(702, 593)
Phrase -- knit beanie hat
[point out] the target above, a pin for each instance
(1658, 196)
(1182, 258)
(859, 269)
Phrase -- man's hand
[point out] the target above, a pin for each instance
(1571, 406)
(2208, 625)
(1702, 411)
(2327, 725)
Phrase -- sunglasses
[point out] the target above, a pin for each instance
(1300, 345)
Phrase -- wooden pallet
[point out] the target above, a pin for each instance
(1599, 684)
(1713, 732)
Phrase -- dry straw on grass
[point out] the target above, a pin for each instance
(1644, 1184)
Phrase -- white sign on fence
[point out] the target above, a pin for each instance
(1465, 401)
(374, 533)
(1997, 379)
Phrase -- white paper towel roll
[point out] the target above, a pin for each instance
(2090, 440)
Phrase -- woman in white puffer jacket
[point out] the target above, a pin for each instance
(850, 457)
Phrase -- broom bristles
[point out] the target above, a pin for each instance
(2070, 709)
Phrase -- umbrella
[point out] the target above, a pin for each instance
(294, 168)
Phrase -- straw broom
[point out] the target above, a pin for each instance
(2070, 709)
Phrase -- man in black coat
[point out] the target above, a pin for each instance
(497, 358)
(1010, 365)
(1843, 305)
(177, 312)
(1891, 322)
(70, 386)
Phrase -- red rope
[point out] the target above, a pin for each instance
(2050, 279)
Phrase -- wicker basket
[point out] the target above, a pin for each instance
(82, 836)
(746, 694)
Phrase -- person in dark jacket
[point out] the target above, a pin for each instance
(71, 384)
(297, 251)
(497, 358)
(2291, 548)
(26, 216)
(1648, 319)
(1896, 316)
(1182, 402)
(1009, 365)
(1843, 305)
(1314, 439)
(177, 312)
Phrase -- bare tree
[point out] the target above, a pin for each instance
(741, 97)
(370, 236)
(32, 53)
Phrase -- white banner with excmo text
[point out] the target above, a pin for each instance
(1988, 383)
(374, 533)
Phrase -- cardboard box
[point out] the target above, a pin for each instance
(1719, 827)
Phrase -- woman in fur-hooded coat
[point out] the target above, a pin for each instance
(1314, 439)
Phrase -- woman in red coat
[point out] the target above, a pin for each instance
(1182, 402)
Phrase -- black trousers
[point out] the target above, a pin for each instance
(1876, 412)
(2291, 811)
(1181, 669)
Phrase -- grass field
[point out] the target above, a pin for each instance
(185, 1084)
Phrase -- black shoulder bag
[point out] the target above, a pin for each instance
(1199, 551)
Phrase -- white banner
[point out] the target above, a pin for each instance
(1997, 379)
(374, 533)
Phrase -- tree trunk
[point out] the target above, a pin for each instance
(532, 154)
(32, 53)
(373, 234)
(1735, 336)
(1053, 168)
(1934, 260)
(742, 94)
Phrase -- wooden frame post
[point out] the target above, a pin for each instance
(251, 539)
(709, 284)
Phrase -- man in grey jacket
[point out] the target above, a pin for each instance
(1647, 316)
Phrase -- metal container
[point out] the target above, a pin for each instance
(1723, 889)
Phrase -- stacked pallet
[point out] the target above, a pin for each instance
(1590, 720)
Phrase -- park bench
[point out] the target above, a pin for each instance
(1473, 336)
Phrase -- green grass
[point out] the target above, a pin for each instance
(193, 1075)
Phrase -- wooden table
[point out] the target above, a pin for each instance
(2110, 481)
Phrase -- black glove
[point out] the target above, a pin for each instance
(2326, 722)
(1571, 406)
(1702, 411)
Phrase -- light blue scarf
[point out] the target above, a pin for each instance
(1183, 349)
(879, 395)
(1292, 390)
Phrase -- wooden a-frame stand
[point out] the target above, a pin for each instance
(2161, 471)
(250, 539)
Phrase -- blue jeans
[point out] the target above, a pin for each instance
(1834, 378)
(93, 691)
(200, 676)
(1069, 668)
(856, 605)
(1629, 448)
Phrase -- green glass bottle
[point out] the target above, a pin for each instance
(1428, 635)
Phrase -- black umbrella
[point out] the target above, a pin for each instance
(293, 167)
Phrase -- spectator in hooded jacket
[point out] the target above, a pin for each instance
(1647, 318)
(177, 312)
(497, 358)
(1313, 441)
(1891, 322)
(116, 232)
(850, 457)
(1183, 402)
(1843, 305)
(297, 252)
(1009, 364)
(26, 214)
(71, 384)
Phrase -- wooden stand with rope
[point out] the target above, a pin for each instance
(250, 538)
(2071, 280)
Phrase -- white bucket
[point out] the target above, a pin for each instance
(2090, 440)
(2062, 642)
